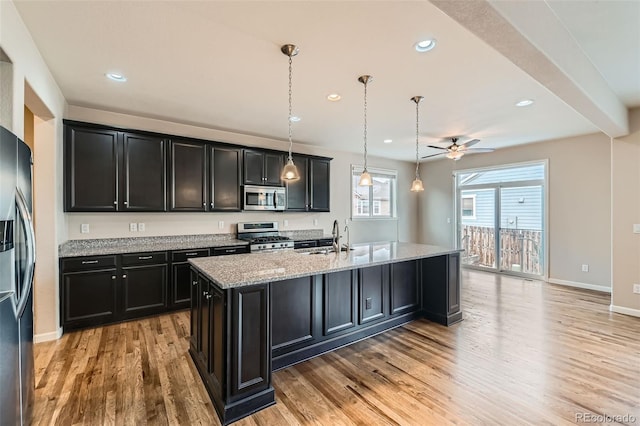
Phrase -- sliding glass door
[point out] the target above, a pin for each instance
(501, 217)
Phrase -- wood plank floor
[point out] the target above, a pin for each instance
(526, 353)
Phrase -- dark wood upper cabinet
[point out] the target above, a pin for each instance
(298, 192)
(144, 181)
(262, 168)
(188, 176)
(319, 184)
(225, 179)
(108, 170)
(91, 169)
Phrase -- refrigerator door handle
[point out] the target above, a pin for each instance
(25, 218)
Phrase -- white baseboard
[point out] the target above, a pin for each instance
(45, 337)
(626, 311)
(601, 288)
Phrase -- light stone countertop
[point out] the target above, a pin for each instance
(256, 268)
(95, 247)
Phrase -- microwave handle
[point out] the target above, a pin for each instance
(275, 199)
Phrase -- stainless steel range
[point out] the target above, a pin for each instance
(263, 236)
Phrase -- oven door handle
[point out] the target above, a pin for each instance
(275, 199)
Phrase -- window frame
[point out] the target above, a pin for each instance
(356, 170)
(473, 209)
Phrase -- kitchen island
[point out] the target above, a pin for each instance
(252, 314)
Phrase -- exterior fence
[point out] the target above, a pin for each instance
(520, 249)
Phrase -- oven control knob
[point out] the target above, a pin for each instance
(273, 245)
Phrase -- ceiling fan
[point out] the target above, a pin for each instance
(455, 151)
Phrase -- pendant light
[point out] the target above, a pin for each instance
(417, 185)
(290, 171)
(365, 177)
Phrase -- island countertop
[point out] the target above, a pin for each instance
(257, 268)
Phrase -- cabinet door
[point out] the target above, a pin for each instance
(89, 297)
(293, 301)
(188, 176)
(180, 285)
(404, 287)
(319, 185)
(453, 284)
(144, 181)
(144, 289)
(339, 304)
(273, 164)
(373, 290)
(298, 192)
(251, 348)
(204, 320)
(91, 169)
(225, 179)
(195, 311)
(253, 167)
(217, 336)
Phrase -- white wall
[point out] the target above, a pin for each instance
(579, 203)
(625, 184)
(117, 225)
(34, 86)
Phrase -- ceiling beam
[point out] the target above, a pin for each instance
(530, 35)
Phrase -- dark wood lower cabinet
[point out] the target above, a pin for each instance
(89, 297)
(144, 290)
(235, 353)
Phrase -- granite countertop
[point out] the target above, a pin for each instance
(94, 247)
(256, 268)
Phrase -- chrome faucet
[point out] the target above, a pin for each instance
(346, 229)
(335, 233)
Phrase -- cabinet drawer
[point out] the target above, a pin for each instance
(219, 251)
(183, 255)
(93, 262)
(324, 242)
(144, 258)
(305, 244)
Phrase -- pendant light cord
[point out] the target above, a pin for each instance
(290, 109)
(417, 135)
(365, 126)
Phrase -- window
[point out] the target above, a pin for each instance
(376, 201)
(468, 203)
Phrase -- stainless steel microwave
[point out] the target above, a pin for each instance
(264, 198)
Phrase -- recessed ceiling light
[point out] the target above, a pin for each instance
(116, 77)
(524, 102)
(425, 45)
(387, 140)
(294, 118)
(334, 97)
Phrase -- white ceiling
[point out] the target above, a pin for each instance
(218, 64)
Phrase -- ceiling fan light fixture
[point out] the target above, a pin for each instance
(455, 155)
(290, 171)
(416, 185)
(425, 45)
(334, 97)
(365, 177)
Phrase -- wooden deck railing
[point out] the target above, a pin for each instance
(521, 249)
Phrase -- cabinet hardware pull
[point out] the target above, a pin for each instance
(208, 296)
(145, 257)
(230, 251)
(204, 204)
(115, 203)
(124, 276)
(126, 202)
(211, 205)
(190, 254)
(89, 262)
(113, 277)
(194, 283)
(204, 293)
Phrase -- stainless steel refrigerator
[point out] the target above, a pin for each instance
(17, 263)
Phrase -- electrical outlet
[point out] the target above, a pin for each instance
(141, 226)
(285, 223)
(315, 222)
(133, 227)
(84, 228)
(636, 288)
(585, 268)
(636, 228)
(221, 224)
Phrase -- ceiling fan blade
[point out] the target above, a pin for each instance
(479, 150)
(433, 155)
(436, 147)
(470, 143)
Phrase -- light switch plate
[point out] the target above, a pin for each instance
(285, 223)
(636, 228)
(84, 228)
(133, 227)
(315, 222)
(221, 224)
(585, 268)
(141, 226)
(636, 288)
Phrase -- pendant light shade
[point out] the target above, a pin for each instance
(417, 185)
(290, 171)
(365, 177)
